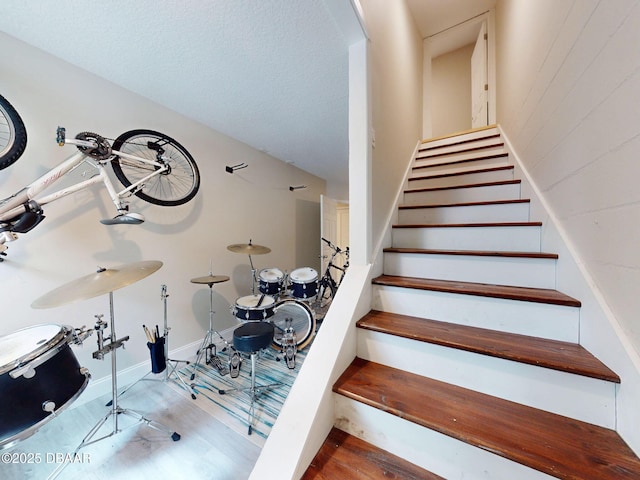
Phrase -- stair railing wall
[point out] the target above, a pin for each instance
(600, 332)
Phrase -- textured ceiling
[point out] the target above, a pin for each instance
(270, 73)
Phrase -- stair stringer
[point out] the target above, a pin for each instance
(600, 332)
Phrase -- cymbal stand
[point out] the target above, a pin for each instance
(253, 276)
(171, 368)
(208, 346)
(103, 349)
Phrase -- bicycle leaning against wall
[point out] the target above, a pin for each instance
(149, 164)
(328, 285)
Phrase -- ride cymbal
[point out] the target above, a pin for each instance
(248, 248)
(95, 284)
(210, 279)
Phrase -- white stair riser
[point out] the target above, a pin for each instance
(425, 159)
(516, 271)
(459, 167)
(445, 456)
(456, 180)
(511, 239)
(501, 212)
(586, 399)
(470, 194)
(475, 136)
(543, 320)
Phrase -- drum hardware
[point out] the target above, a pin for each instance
(250, 249)
(208, 348)
(288, 345)
(251, 338)
(235, 362)
(104, 281)
(172, 364)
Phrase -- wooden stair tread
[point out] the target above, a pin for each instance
(558, 446)
(526, 294)
(457, 225)
(465, 204)
(478, 253)
(346, 456)
(466, 172)
(553, 354)
(470, 185)
(463, 160)
(430, 150)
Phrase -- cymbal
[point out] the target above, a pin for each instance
(95, 284)
(248, 248)
(210, 279)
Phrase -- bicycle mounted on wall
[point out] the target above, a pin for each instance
(149, 164)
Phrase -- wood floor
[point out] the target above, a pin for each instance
(207, 448)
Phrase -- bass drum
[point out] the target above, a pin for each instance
(296, 314)
(39, 377)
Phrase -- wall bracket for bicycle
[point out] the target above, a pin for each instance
(232, 169)
(299, 187)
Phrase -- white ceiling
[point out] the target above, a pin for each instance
(270, 73)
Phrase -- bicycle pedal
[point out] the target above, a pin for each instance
(222, 369)
(234, 365)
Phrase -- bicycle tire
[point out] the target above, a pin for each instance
(302, 320)
(13, 134)
(326, 292)
(175, 187)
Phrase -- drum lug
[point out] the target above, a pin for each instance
(85, 371)
(49, 406)
(27, 371)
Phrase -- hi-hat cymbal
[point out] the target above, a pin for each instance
(95, 284)
(210, 279)
(248, 249)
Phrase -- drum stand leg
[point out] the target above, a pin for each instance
(254, 390)
(206, 348)
(115, 409)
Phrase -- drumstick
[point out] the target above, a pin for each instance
(260, 301)
(148, 334)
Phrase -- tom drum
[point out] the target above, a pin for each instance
(304, 282)
(271, 280)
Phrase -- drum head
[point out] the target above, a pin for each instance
(271, 275)
(296, 314)
(251, 302)
(303, 275)
(28, 343)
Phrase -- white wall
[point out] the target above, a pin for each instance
(254, 203)
(395, 66)
(451, 91)
(568, 90)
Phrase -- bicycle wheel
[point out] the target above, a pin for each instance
(176, 186)
(326, 292)
(13, 134)
(301, 318)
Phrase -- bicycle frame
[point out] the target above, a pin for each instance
(26, 199)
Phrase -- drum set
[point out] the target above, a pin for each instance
(40, 376)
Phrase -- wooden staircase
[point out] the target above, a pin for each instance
(469, 364)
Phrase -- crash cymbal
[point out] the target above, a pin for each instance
(210, 279)
(248, 248)
(95, 284)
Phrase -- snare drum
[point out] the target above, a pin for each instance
(39, 377)
(271, 280)
(304, 282)
(254, 307)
